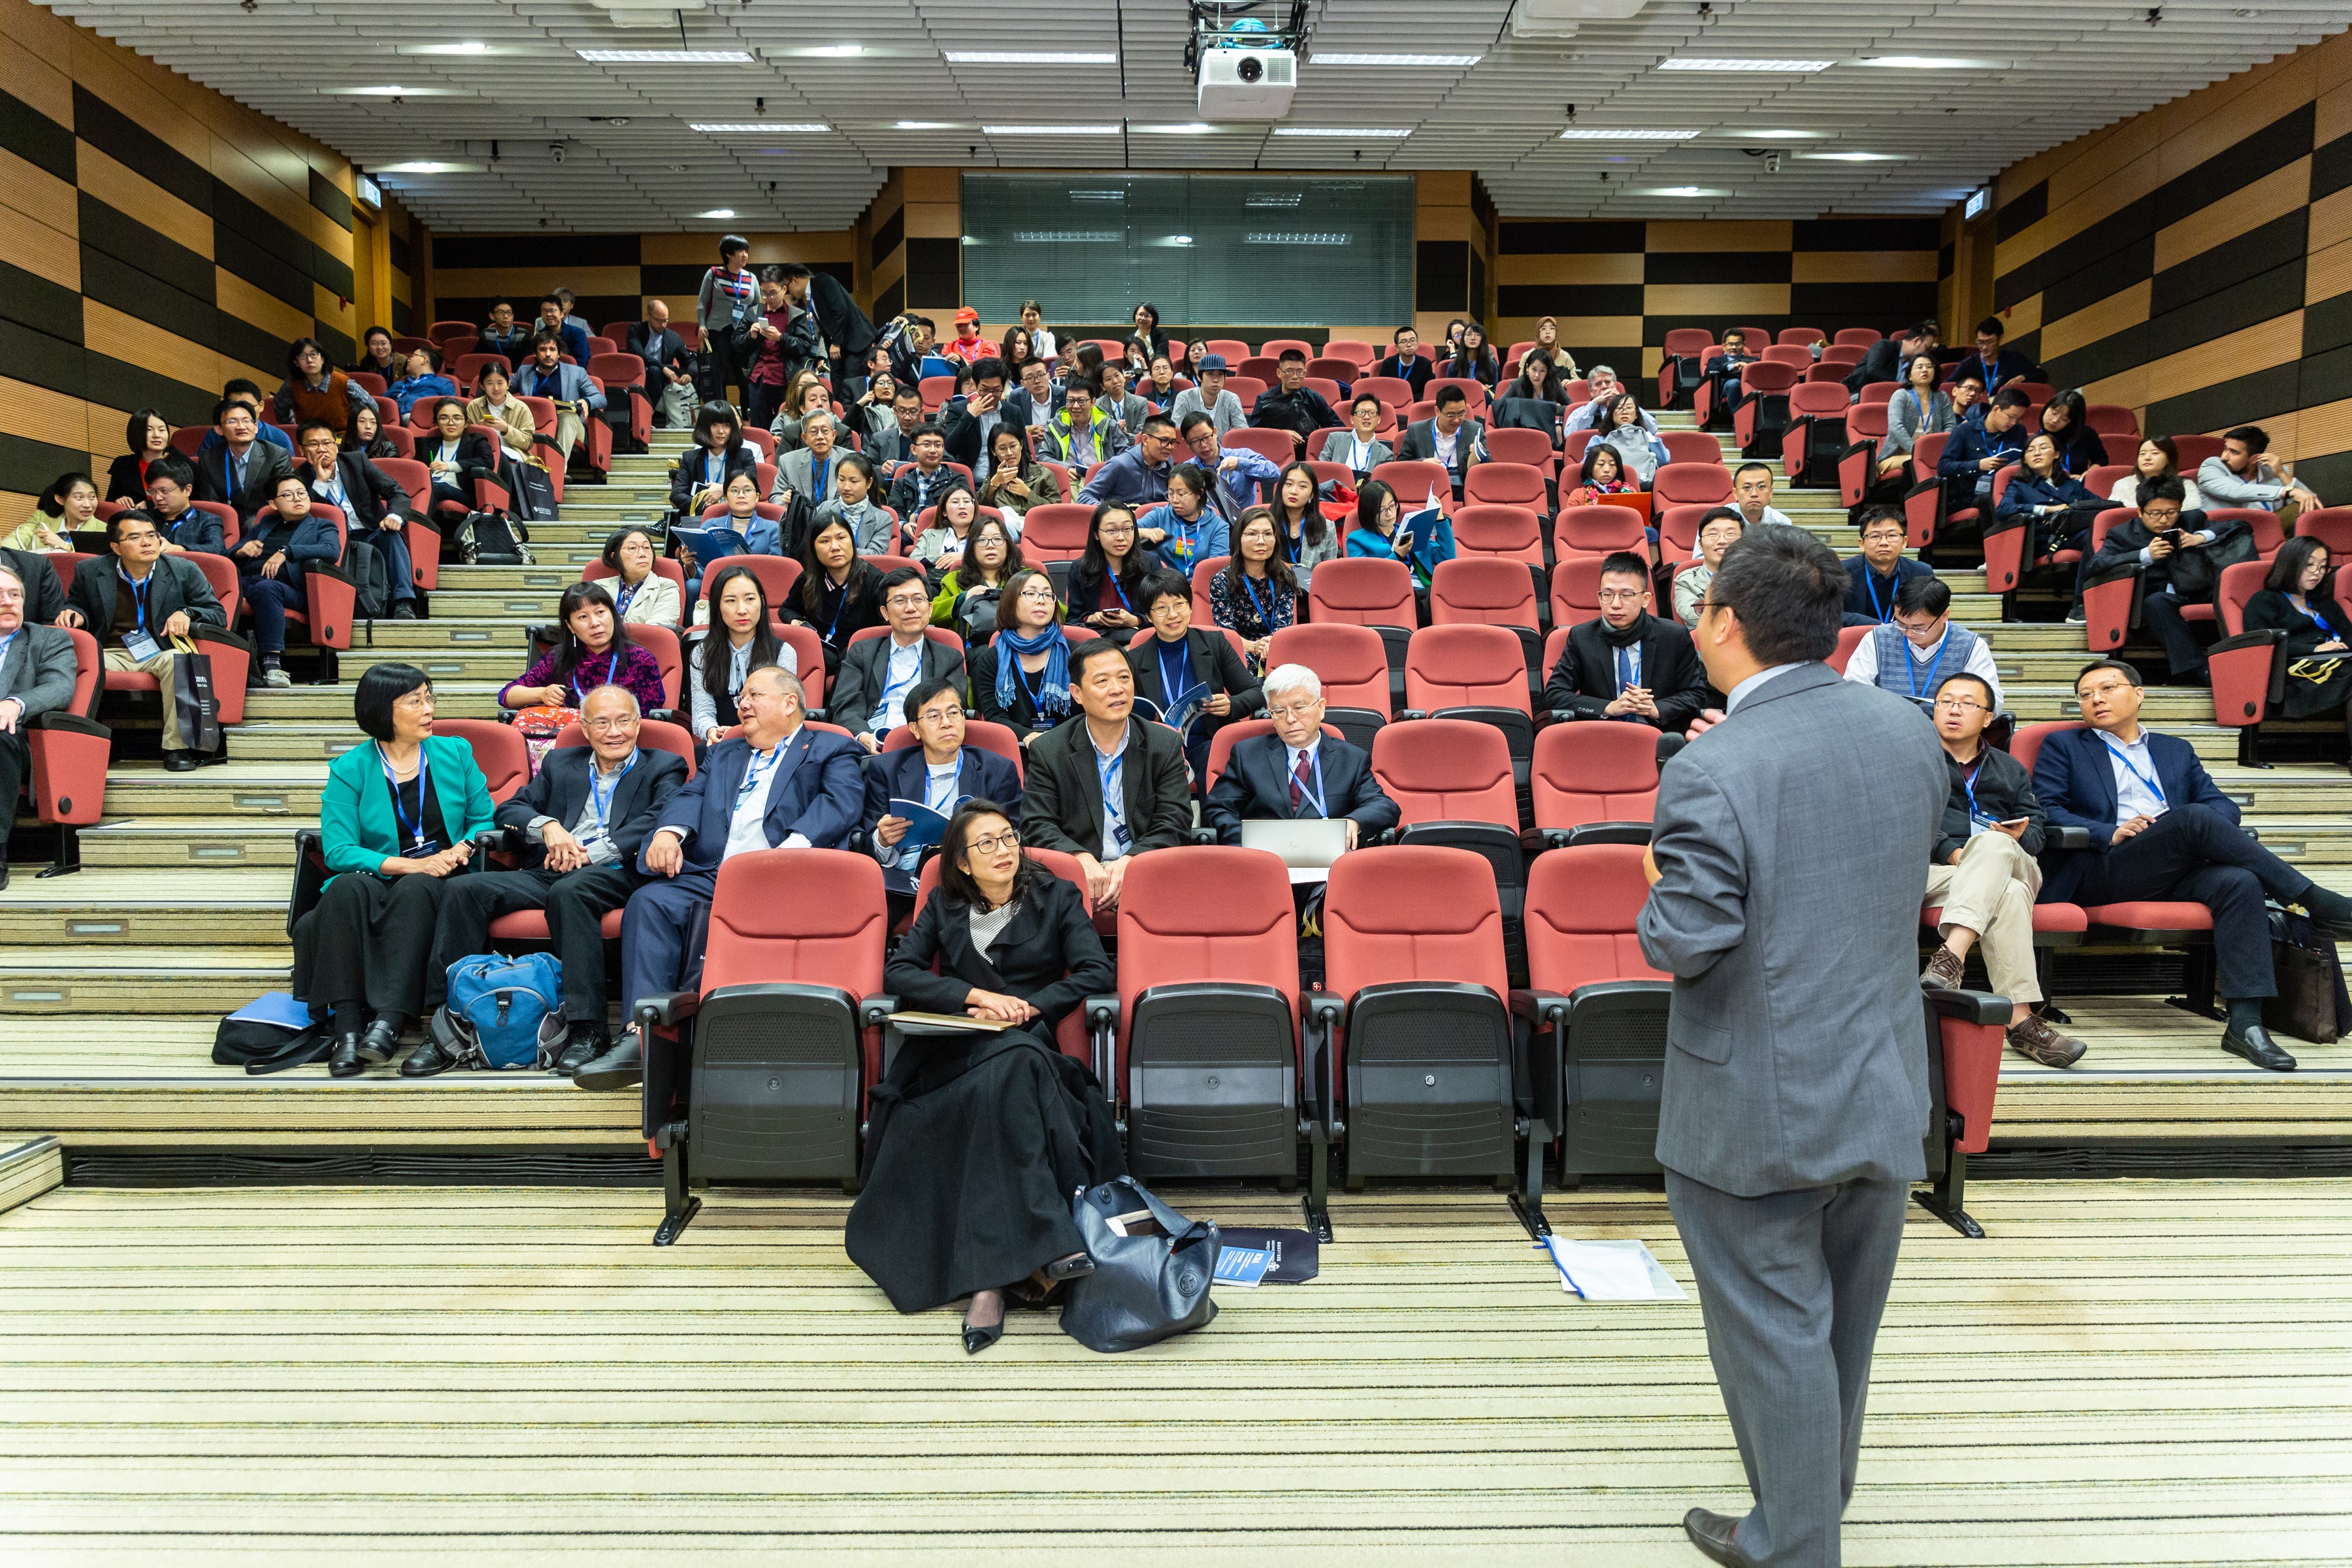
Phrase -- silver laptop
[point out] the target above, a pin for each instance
(1307, 844)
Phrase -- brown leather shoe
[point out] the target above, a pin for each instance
(1945, 971)
(2037, 1041)
(1713, 1534)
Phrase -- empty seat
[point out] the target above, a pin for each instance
(498, 751)
(1363, 592)
(2332, 526)
(1274, 445)
(1691, 484)
(1815, 437)
(1858, 467)
(1763, 411)
(1352, 663)
(1691, 447)
(1417, 482)
(1686, 350)
(69, 753)
(1597, 530)
(1055, 532)
(1480, 672)
(1532, 448)
(1505, 532)
(1594, 783)
(1454, 784)
(1392, 391)
(1502, 484)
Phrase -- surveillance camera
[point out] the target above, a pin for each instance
(248, 6)
(555, 150)
(397, 101)
(1771, 162)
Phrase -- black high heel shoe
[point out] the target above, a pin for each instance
(978, 1340)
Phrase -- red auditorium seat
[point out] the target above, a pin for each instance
(1597, 530)
(1503, 484)
(627, 410)
(1487, 591)
(1815, 439)
(1923, 508)
(1055, 532)
(423, 539)
(71, 753)
(531, 925)
(664, 566)
(1857, 468)
(1222, 745)
(1531, 447)
(1800, 337)
(1417, 481)
(1274, 445)
(1470, 387)
(1763, 411)
(1679, 375)
(1849, 639)
(2111, 598)
(1360, 591)
(2332, 526)
(764, 1078)
(777, 575)
(467, 373)
(2194, 449)
(1208, 992)
(996, 738)
(1691, 484)
(499, 751)
(1507, 533)
(1857, 337)
(764, 440)
(1354, 351)
(1233, 350)
(1454, 786)
(1264, 368)
(1480, 672)
(1879, 391)
(2111, 419)
(1274, 348)
(1352, 663)
(1691, 447)
(1594, 783)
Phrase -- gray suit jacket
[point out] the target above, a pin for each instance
(1792, 843)
(39, 670)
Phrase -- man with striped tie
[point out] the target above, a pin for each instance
(1298, 772)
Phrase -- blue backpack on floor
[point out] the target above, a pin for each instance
(504, 1013)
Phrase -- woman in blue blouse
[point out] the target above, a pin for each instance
(390, 839)
(2057, 507)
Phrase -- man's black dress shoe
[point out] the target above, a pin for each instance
(620, 1068)
(381, 1041)
(587, 1043)
(180, 762)
(2256, 1046)
(404, 609)
(1711, 1532)
(343, 1061)
(427, 1059)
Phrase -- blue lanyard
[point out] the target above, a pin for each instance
(1313, 792)
(611, 674)
(621, 600)
(1968, 783)
(1911, 665)
(2120, 755)
(2309, 614)
(1885, 612)
(603, 799)
(139, 587)
(1168, 687)
(840, 609)
(1184, 534)
(1109, 773)
(1265, 611)
(1111, 572)
(1036, 694)
(820, 470)
(409, 836)
(944, 783)
(756, 772)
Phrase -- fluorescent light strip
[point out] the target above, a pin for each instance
(666, 56)
(1620, 133)
(1294, 237)
(1855, 157)
(1681, 191)
(1322, 131)
(1321, 58)
(1688, 63)
(922, 125)
(1068, 236)
(1027, 58)
(1049, 129)
(1932, 63)
(755, 127)
(834, 52)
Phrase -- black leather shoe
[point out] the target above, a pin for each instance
(2257, 1047)
(180, 762)
(1711, 1532)
(427, 1059)
(620, 1068)
(587, 1043)
(381, 1040)
(343, 1061)
(404, 609)
(978, 1340)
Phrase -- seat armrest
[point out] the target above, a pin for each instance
(1611, 832)
(2267, 635)
(1541, 1008)
(2068, 837)
(665, 1011)
(1101, 1014)
(1202, 835)
(1412, 713)
(874, 1009)
(1970, 1006)
(500, 841)
(1563, 716)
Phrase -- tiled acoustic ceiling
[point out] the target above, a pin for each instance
(506, 76)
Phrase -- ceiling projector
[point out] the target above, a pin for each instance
(1246, 83)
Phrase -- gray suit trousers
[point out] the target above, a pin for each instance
(1791, 1286)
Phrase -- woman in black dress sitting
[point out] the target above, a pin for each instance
(977, 1140)
(2297, 599)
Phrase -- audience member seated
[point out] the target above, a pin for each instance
(1298, 772)
(1238, 475)
(38, 669)
(1406, 364)
(740, 641)
(1308, 537)
(808, 476)
(851, 503)
(1139, 473)
(420, 378)
(1080, 434)
(1381, 534)
(1751, 492)
(642, 596)
(160, 597)
(1909, 654)
(1548, 343)
(172, 488)
(763, 535)
(1969, 399)
(1016, 481)
(2296, 599)
(2066, 420)
(373, 505)
(2157, 459)
(555, 317)
(495, 405)
(1109, 785)
(1873, 576)
(1210, 397)
(504, 335)
(1738, 355)
(2161, 829)
(1291, 406)
(241, 471)
(1981, 447)
(2057, 509)
(1191, 675)
(1627, 664)
(1184, 529)
(582, 819)
(313, 389)
(1022, 679)
(943, 772)
(1357, 447)
(1033, 401)
(670, 367)
(1449, 437)
(377, 356)
(367, 438)
(1602, 473)
(1473, 358)
(1157, 387)
(2157, 542)
(593, 650)
(718, 454)
(1107, 583)
(70, 503)
(1984, 872)
(1641, 448)
(1920, 407)
(970, 423)
(245, 392)
(565, 385)
(967, 344)
(1537, 381)
(779, 784)
(146, 437)
(1605, 389)
(927, 480)
(1256, 595)
(876, 674)
(1718, 530)
(284, 538)
(455, 457)
(1993, 364)
(1885, 359)
(788, 423)
(940, 547)
(397, 820)
(974, 1141)
(971, 594)
(839, 593)
(2247, 473)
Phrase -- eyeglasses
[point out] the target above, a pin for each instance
(1884, 536)
(1295, 710)
(1958, 705)
(1038, 596)
(1119, 531)
(414, 700)
(994, 843)
(907, 602)
(144, 536)
(609, 726)
(1621, 595)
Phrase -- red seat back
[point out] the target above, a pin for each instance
(499, 751)
(1414, 482)
(2194, 450)
(1691, 447)
(2111, 419)
(1769, 375)
(2332, 526)
(1413, 912)
(1275, 446)
(1393, 391)
(1361, 591)
(2026, 744)
(1582, 904)
(1859, 337)
(809, 917)
(616, 371)
(777, 575)
(1448, 770)
(1350, 351)
(1350, 661)
(2240, 583)
(1686, 341)
(1532, 448)
(1474, 665)
(1849, 639)
(1263, 368)
(1274, 348)
(1594, 773)
(1819, 399)
(1233, 350)
(1482, 590)
(1597, 530)
(1506, 484)
(1324, 368)
(1691, 484)
(1801, 337)
(1471, 388)
(1206, 913)
(1512, 532)
(1879, 391)
(1786, 356)
(1055, 532)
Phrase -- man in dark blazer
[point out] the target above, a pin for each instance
(1106, 786)
(242, 473)
(171, 507)
(1451, 437)
(970, 423)
(36, 677)
(148, 597)
(778, 786)
(373, 504)
(1789, 857)
(577, 828)
(876, 674)
(1884, 360)
(669, 367)
(1213, 680)
(1629, 664)
(2161, 829)
(942, 772)
(1298, 772)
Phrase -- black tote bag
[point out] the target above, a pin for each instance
(1144, 1288)
(193, 700)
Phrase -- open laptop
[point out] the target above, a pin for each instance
(1304, 844)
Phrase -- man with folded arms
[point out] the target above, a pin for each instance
(1298, 773)
(1983, 872)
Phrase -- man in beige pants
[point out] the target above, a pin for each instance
(1984, 873)
(134, 602)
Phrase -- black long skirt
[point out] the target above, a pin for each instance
(368, 943)
(2309, 699)
(976, 1145)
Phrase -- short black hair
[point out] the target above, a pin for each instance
(2010, 397)
(1084, 653)
(1880, 512)
(1718, 514)
(1363, 397)
(1288, 355)
(982, 369)
(1991, 324)
(241, 386)
(1192, 419)
(502, 300)
(899, 389)
(294, 351)
(2253, 437)
(134, 429)
(1744, 469)
(545, 335)
(897, 576)
(730, 244)
(1789, 591)
(310, 424)
(1993, 700)
(1930, 594)
(378, 690)
(920, 695)
(2165, 489)
(1161, 420)
(221, 409)
(1163, 584)
(928, 427)
(1196, 479)
(1449, 395)
(1964, 375)
(2128, 672)
(1618, 562)
(173, 467)
(550, 299)
(784, 272)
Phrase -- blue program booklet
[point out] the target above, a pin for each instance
(277, 1007)
(1243, 1266)
(710, 544)
(929, 827)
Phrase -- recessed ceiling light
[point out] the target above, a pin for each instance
(1049, 129)
(1690, 63)
(1681, 191)
(756, 127)
(666, 56)
(1325, 130)
(1855, 157)
(1180, 240)
(1933, 63)
(1781, 135)
(1028, 57)
(468, 49)
(1196, 128)
(430, 166)
(389, 91)
(835, 51)
(922, 125)
(1622, 133)
(718, 212)
(1321, 58)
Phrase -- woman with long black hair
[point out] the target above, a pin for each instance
(1107, 584)
(840, 593)
(1307, 537)
(2297, 599)
(740, 640)
(594, 651)
(1257, 593)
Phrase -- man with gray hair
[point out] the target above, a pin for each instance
(1605, 386)
(36, 677)
(575, 831)
(1298, 772)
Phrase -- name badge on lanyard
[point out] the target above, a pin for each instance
(1115, 816)
(136, 641)
(415, 845)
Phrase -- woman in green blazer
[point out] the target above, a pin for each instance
(391, 843)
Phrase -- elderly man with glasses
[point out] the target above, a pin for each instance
(1298, 773)
(1983, 873)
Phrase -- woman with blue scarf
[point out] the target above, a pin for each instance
(1022, 678)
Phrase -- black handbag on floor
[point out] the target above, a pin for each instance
(1144, 1288)
(492, 539)
(2312, 1003)
(192, 698)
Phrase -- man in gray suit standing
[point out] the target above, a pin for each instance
(1789, 858)
(36, 676)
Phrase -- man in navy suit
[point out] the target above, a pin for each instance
(942, 772)
(778, 786)
(1298, 772)
(2162, 830)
